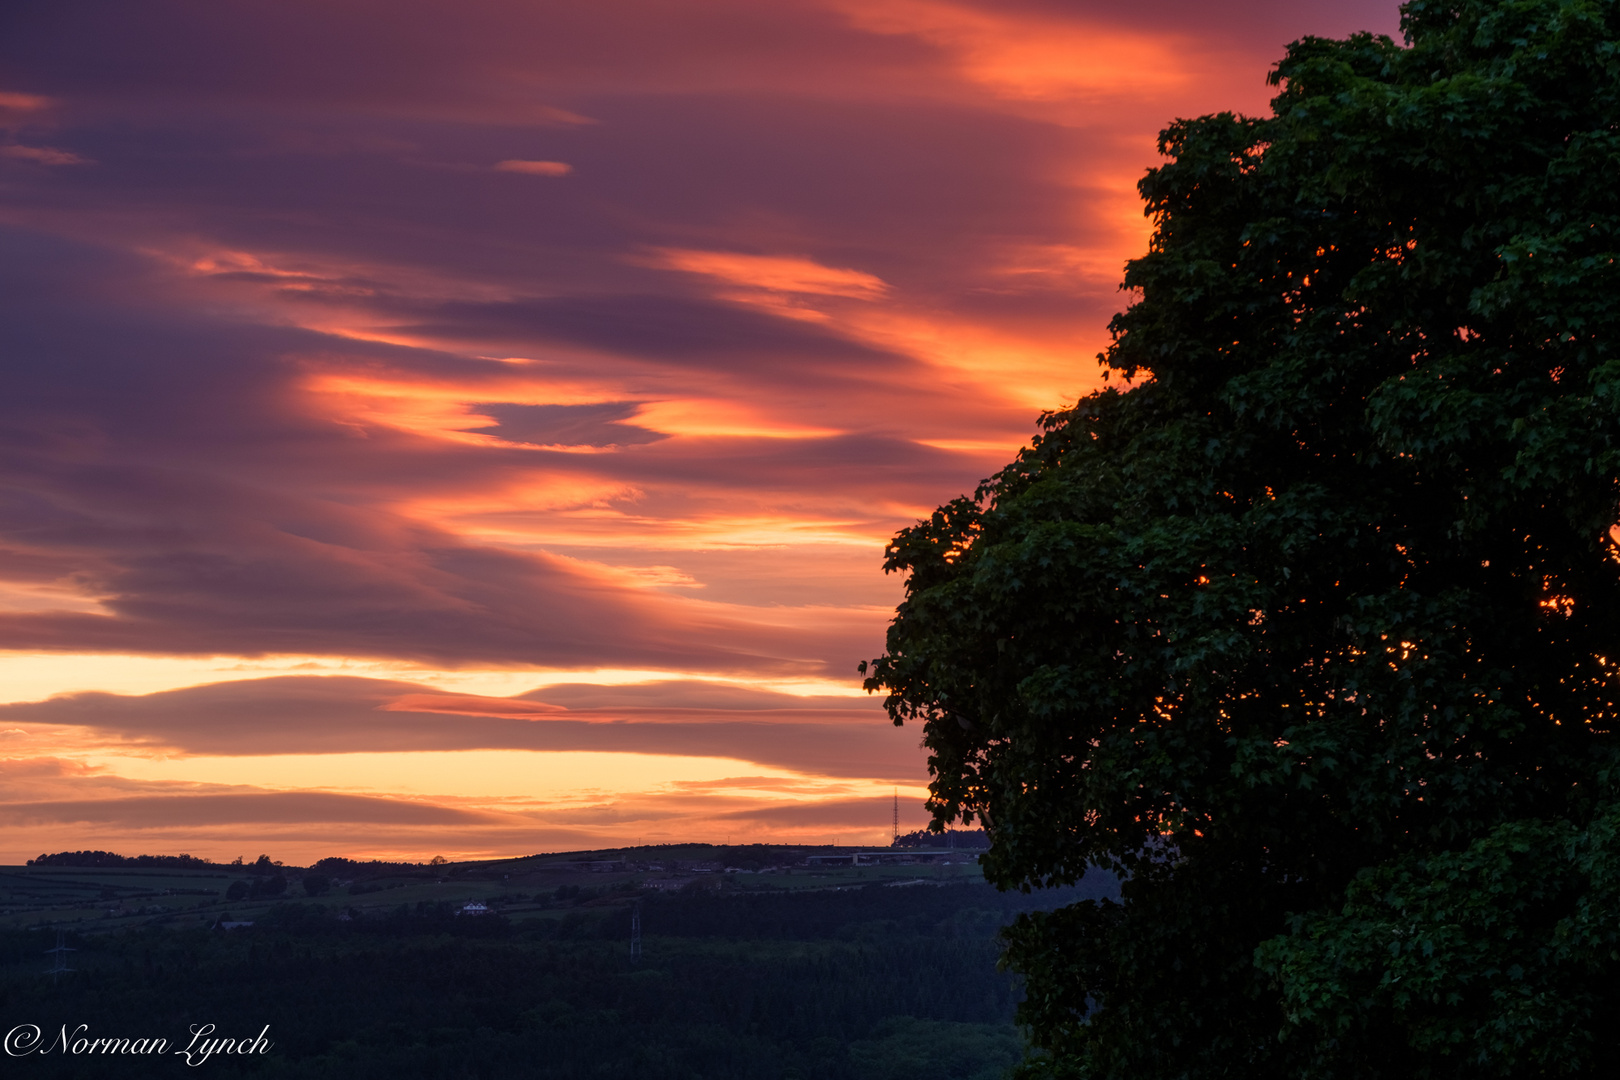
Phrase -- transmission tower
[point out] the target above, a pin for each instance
(61, 967)
(896, 817)
(635, 933)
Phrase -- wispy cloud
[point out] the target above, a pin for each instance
(15, 102)
(774, 273)
(42, 155)
(535, 168)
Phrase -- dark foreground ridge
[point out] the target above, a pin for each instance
(754, 963)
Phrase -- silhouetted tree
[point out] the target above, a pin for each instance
(1310, 632)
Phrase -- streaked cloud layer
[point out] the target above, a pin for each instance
(501, 389)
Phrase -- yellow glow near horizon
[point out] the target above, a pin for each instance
(598, 526)
(550, 776)
(33, 676)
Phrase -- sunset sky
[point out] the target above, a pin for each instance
(472, 428)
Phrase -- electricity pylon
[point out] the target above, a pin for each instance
(61, 967)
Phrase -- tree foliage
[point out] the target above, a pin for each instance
(1310, 630)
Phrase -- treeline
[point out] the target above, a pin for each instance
(966, 839)
(107, 858)
(334, 866)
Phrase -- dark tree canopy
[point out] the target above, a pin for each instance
(1310, 632)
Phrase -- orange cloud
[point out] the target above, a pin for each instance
(535, 168)
(774, 273)
(1018, 55)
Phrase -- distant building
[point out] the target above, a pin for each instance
(474, 907)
